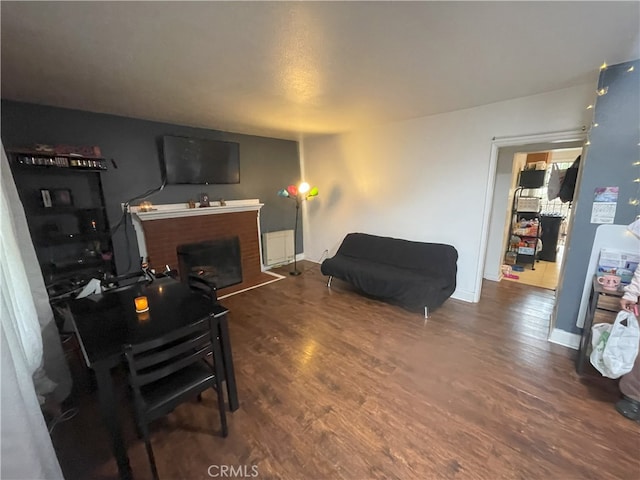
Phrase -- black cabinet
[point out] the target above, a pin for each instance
(550, 235)
(64, 205)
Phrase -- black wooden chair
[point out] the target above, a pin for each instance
(167, 371)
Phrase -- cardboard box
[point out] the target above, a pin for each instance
(528, 204)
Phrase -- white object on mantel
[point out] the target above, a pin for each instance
(177, 210)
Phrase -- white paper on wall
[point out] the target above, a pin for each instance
(605, 200)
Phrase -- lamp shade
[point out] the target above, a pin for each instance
(298, 193)
(303, 188)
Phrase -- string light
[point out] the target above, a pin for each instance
(601, 91)
(635, 201)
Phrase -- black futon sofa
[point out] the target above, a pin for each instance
(414, 275)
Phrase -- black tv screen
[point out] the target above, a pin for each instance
(196, 161)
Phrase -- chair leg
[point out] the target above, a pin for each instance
(329, 281)
(147, 444)
(219, 374)
(222, 408)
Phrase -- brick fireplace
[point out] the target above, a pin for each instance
(161, 230)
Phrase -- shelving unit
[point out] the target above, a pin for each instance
(64, 204)
(525, 226)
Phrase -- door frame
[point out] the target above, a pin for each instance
(515, 141)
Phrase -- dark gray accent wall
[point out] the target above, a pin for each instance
(608, 161)
(266, 164)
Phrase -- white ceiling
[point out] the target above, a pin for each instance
(288, 69)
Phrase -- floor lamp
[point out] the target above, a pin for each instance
(299, 194)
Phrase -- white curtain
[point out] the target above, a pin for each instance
(27, 452)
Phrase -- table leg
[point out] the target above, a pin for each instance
(230, 375)
(585, 339)
(108, 405)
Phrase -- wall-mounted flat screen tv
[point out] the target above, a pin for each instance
(197, 161)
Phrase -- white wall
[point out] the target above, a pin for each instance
(424, 179)
(508, 165)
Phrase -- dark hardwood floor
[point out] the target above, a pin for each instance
(334, 385)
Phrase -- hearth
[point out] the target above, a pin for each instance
(217, 261)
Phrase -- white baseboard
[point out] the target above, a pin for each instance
(494, 278)
(276, 276)
(464, 295)
(266, 268)
(564, 338)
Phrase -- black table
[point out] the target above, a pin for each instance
(105, 323)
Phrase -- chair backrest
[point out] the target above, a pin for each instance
(154, 359)
(203, 285)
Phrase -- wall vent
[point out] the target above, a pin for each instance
(277, 247)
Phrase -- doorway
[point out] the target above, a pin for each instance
(507, 155)
(542, 269)
(502, 181)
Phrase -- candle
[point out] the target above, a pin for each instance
(142, 305)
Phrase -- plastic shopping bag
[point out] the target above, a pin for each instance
(599, 336)
(555, 181)
(615, 346)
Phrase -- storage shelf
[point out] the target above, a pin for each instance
(531, 233)
(72, 235)
(64, 210)
(61, 239)
(24, 158)
(74, 265)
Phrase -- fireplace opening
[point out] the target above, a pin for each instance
(216, 261)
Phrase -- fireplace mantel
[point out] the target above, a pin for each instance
(180, 210)
(174, 210)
